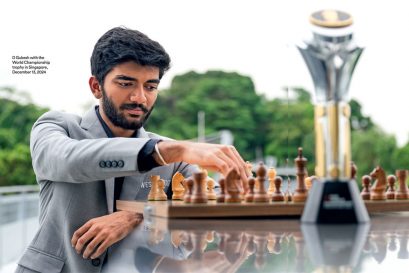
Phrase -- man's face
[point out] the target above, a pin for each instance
(129, 94)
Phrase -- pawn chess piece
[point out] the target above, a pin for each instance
(232, 191)
(199, 194)
(277, 195)
(250, 193)
(354, 169)
(261, 194)
(379, 186)
(187, 198)
(154, 187)
(390, 194)
(177, 187)
(211, 194)
(160, 193)
(366, 184)
(271, 174)
(402, 192)
(300, 194)
(220, 197)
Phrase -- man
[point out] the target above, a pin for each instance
(83, 163)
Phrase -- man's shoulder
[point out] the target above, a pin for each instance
(59, 117)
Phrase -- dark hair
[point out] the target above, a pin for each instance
(120, 45)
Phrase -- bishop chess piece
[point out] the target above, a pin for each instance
(232, 190)
(160, 192)
(277, 195)
(221, 196)
(300, 193)
(271, 175)
(211, 194)
(390, 194)
(177, 187)
(154, 187)
(402, 192)
(250, 193)
(199, 194)
(366, 184)
(187, 198)
(261, 194)
(379, 186)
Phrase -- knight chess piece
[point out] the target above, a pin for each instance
(220, 197)
(250, 193)
(177, 186)
(379, 186)
(277, 195)
(154, 187)
(232, 190)
(300, 193)
(271, 174)
(402, 192)
(261, 194)
(199, 194)
(366, 184)
(390, 193)
(187, 198)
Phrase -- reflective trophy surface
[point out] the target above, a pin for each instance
(331, 56)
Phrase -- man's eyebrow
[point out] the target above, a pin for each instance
(153, 81)
(125, 78)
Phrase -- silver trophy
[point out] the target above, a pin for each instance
(331, 56)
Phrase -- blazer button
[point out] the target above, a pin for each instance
(114, 164)
(121, 163)
(96, 262)
(102, 164)
(108, 164)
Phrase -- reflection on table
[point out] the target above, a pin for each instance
(254, 245)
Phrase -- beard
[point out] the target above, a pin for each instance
(117, 116)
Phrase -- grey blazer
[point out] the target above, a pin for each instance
(70, 157)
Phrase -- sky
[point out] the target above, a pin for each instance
(252, 37)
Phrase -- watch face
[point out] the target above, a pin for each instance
(331, 19)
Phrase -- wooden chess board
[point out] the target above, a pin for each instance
(179, 209)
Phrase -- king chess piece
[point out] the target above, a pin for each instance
(300, 193)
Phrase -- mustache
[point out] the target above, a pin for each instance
(133, 106)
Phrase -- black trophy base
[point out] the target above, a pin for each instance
(334, 202)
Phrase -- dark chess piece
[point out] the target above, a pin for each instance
(220, 197)
(300, 193)
(402, 192)
(354, 169)
(390, 193)
(366, 184)
(379, 186)
(278, 196)
(199, 194)
(189, 190)
(261, 194)
(250, 193)
(232, 191)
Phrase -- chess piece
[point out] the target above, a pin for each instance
(261, 194)
(160, 192)
(274, 243)
(250, 193)
(211, 194)
(177, 187)
(288, 197)
(220, 197)
(390, 194)
(300, 194)
(277, 195)
(187, 198)
(354, 169)
(402, 192)
(232, 191)
(379, 186)
(271, 173)
(199, 194)
(154, 187)
(366, 184)
(309, 181)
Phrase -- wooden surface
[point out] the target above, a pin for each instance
(179, 209)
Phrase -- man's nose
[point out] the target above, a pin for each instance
(138, 95)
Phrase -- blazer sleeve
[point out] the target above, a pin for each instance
(58, 157)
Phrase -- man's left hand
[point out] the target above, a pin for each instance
(98, 234)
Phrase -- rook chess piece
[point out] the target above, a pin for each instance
(261, 194)
(366, 184)
(278, 196)
(300, 194)
(379, 186)
(250, 193)
(154, 187)
(177, 187)
(220, 197)
(402, 192)
(232, 191)
(160, 193)
(199, 194)
(390, 194)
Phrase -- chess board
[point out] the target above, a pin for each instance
(179, 209)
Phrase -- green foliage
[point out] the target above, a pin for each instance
(16, 119)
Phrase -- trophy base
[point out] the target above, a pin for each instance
(331, 202)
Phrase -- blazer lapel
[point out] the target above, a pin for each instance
(91, 123)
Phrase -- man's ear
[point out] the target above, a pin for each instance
(95, 87)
